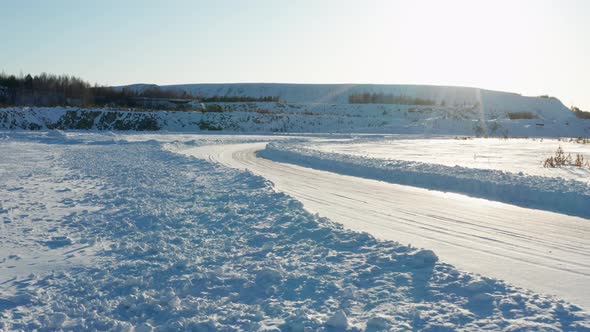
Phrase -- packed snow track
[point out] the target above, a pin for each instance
(542, 251)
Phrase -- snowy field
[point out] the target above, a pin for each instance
(422, 164)
(509, 155)
(529, 248)
(116, 232)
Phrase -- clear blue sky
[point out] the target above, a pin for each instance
(532, 47)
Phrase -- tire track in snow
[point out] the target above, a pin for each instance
(543, 251)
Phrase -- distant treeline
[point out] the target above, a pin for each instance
(580, 114)
(547, 97)
(238, 99)
(64, 90)
(382, 98)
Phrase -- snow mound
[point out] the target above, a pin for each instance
(553, 194)
(422, 258)
(338, 320)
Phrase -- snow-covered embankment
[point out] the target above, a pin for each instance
(553, 194)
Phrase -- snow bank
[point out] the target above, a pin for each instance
(551, 121)
(553, 194)
(509, 155)
(184, 244)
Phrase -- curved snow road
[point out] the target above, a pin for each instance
(538, 250)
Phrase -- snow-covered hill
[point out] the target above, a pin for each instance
(325, 108)
(333, 93)
(492, 101)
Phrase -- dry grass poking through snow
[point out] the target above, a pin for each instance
(561, 159)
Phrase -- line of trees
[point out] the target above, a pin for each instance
(580, 114)
(63, 90)
(382, 98)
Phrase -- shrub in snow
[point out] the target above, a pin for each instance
(560, 159)
(579, 162)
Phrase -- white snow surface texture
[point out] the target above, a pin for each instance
(540, 192)
(166, 242)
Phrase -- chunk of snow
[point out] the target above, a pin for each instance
(423, 258)
(477, 286)
(378, 323)
(338, 320)
(268, 276)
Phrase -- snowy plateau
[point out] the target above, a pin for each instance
(310, 214)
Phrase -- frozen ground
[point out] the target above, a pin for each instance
(530, 248)
(160, 241)
(39, 198)
(510, 155)
(545, 192)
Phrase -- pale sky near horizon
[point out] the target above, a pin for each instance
(529, 47)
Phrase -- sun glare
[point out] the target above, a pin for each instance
(459, 42)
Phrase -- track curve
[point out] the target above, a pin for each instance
(543, 251)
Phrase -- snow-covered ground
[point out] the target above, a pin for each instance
(39, 198)
(509, 155)
(124, 233)
(552, 119)
(529, 248)
(545, 192)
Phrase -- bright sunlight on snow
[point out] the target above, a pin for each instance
(295, 166)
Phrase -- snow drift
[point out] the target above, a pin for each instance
(553, 194)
